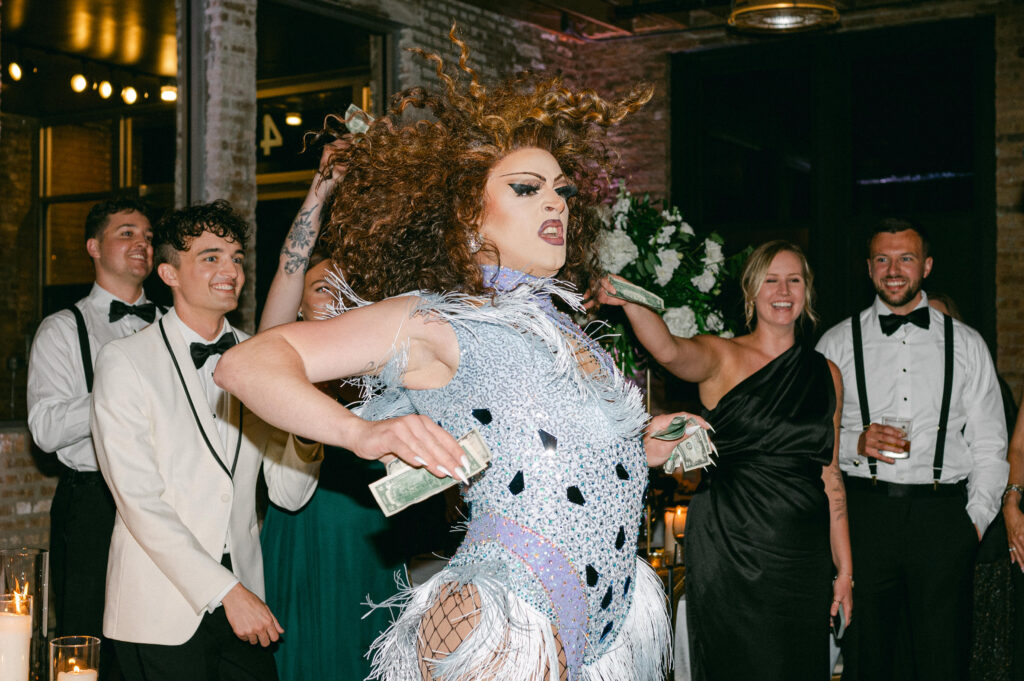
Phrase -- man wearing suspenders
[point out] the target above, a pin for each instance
(118, 238)
(918, 502)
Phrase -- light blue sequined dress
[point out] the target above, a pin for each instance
(553, 526)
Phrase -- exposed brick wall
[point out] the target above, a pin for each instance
(18, 273)
(1010, 194)
(27, 492)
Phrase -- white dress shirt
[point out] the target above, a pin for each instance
(904, 376)
(58, 400)
(219, 401)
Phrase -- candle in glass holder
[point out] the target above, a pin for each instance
(15, 637)
(74, 658)
(77, 674)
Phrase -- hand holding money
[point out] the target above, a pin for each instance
(631, 293)
(404, 485)
(694, 449)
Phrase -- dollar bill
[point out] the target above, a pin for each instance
(357, 120)
(634, 294)
(404, 485)
(691, 453)
(676, 429)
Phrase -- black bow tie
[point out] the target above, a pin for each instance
(146, 311)
(203, 351)
(890, 322)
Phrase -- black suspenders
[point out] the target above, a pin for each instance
(83, 343)
(947, 393)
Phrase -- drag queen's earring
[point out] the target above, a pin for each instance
(474, 242)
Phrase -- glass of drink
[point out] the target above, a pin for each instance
(902, 425)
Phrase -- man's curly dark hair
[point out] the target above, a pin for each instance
(412, 193)
(175, 232)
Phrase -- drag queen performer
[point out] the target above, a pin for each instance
(450, 233)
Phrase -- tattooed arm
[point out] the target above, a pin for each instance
(286, 289)
(839, 526)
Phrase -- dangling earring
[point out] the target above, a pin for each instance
(474, 242)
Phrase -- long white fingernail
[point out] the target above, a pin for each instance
(421, 462)
(690, 430)
(465, 463)
(444, 471)
(461, 475)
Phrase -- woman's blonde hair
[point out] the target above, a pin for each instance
(756, 269)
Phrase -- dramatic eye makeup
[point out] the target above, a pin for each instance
(568, 191)
(523, 189)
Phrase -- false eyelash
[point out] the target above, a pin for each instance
(524, 189)
(568, 191)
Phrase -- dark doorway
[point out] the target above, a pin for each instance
(815, 138)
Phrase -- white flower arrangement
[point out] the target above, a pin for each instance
(658, 250)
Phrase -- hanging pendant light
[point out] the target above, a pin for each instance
(774, 16)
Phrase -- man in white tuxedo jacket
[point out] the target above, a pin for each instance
(184, 596)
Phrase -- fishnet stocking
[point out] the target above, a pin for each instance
(450, 621)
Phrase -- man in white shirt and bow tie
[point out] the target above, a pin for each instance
(181, 456)
(919, 502)
(117, 238)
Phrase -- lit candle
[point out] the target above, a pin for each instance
(15, 635)
(78, 675)
(675, 521)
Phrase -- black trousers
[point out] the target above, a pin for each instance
(81, 522)
(213, 653)
(913, 561)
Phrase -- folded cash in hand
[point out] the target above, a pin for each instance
(693, 452)
(357, 120)
(634, 294)
(404, 485)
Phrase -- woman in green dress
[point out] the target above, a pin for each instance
(324, 562)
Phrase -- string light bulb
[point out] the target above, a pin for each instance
(14, 68)
(293, 118)
(106, 89)
(79, 83)
(168, 93)
(129, 95)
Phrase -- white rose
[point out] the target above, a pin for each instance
(713, 254)
(685, 228)
(668, 262)
(714, 322)
(704, 281)
(621, 206)
(616, 250)
(681, 321)
(665, 234)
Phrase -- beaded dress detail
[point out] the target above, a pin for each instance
(551, 539)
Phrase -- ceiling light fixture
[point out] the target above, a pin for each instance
(79, 83)
(168, 93)
(293, 118)
(14, 68)
(768, 16)
(129, 95)
(106, 89)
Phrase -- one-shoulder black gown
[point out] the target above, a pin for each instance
(758, 559)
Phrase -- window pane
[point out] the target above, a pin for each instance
(66, 259)
(80, 160)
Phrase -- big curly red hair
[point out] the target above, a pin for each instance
(401, 218)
